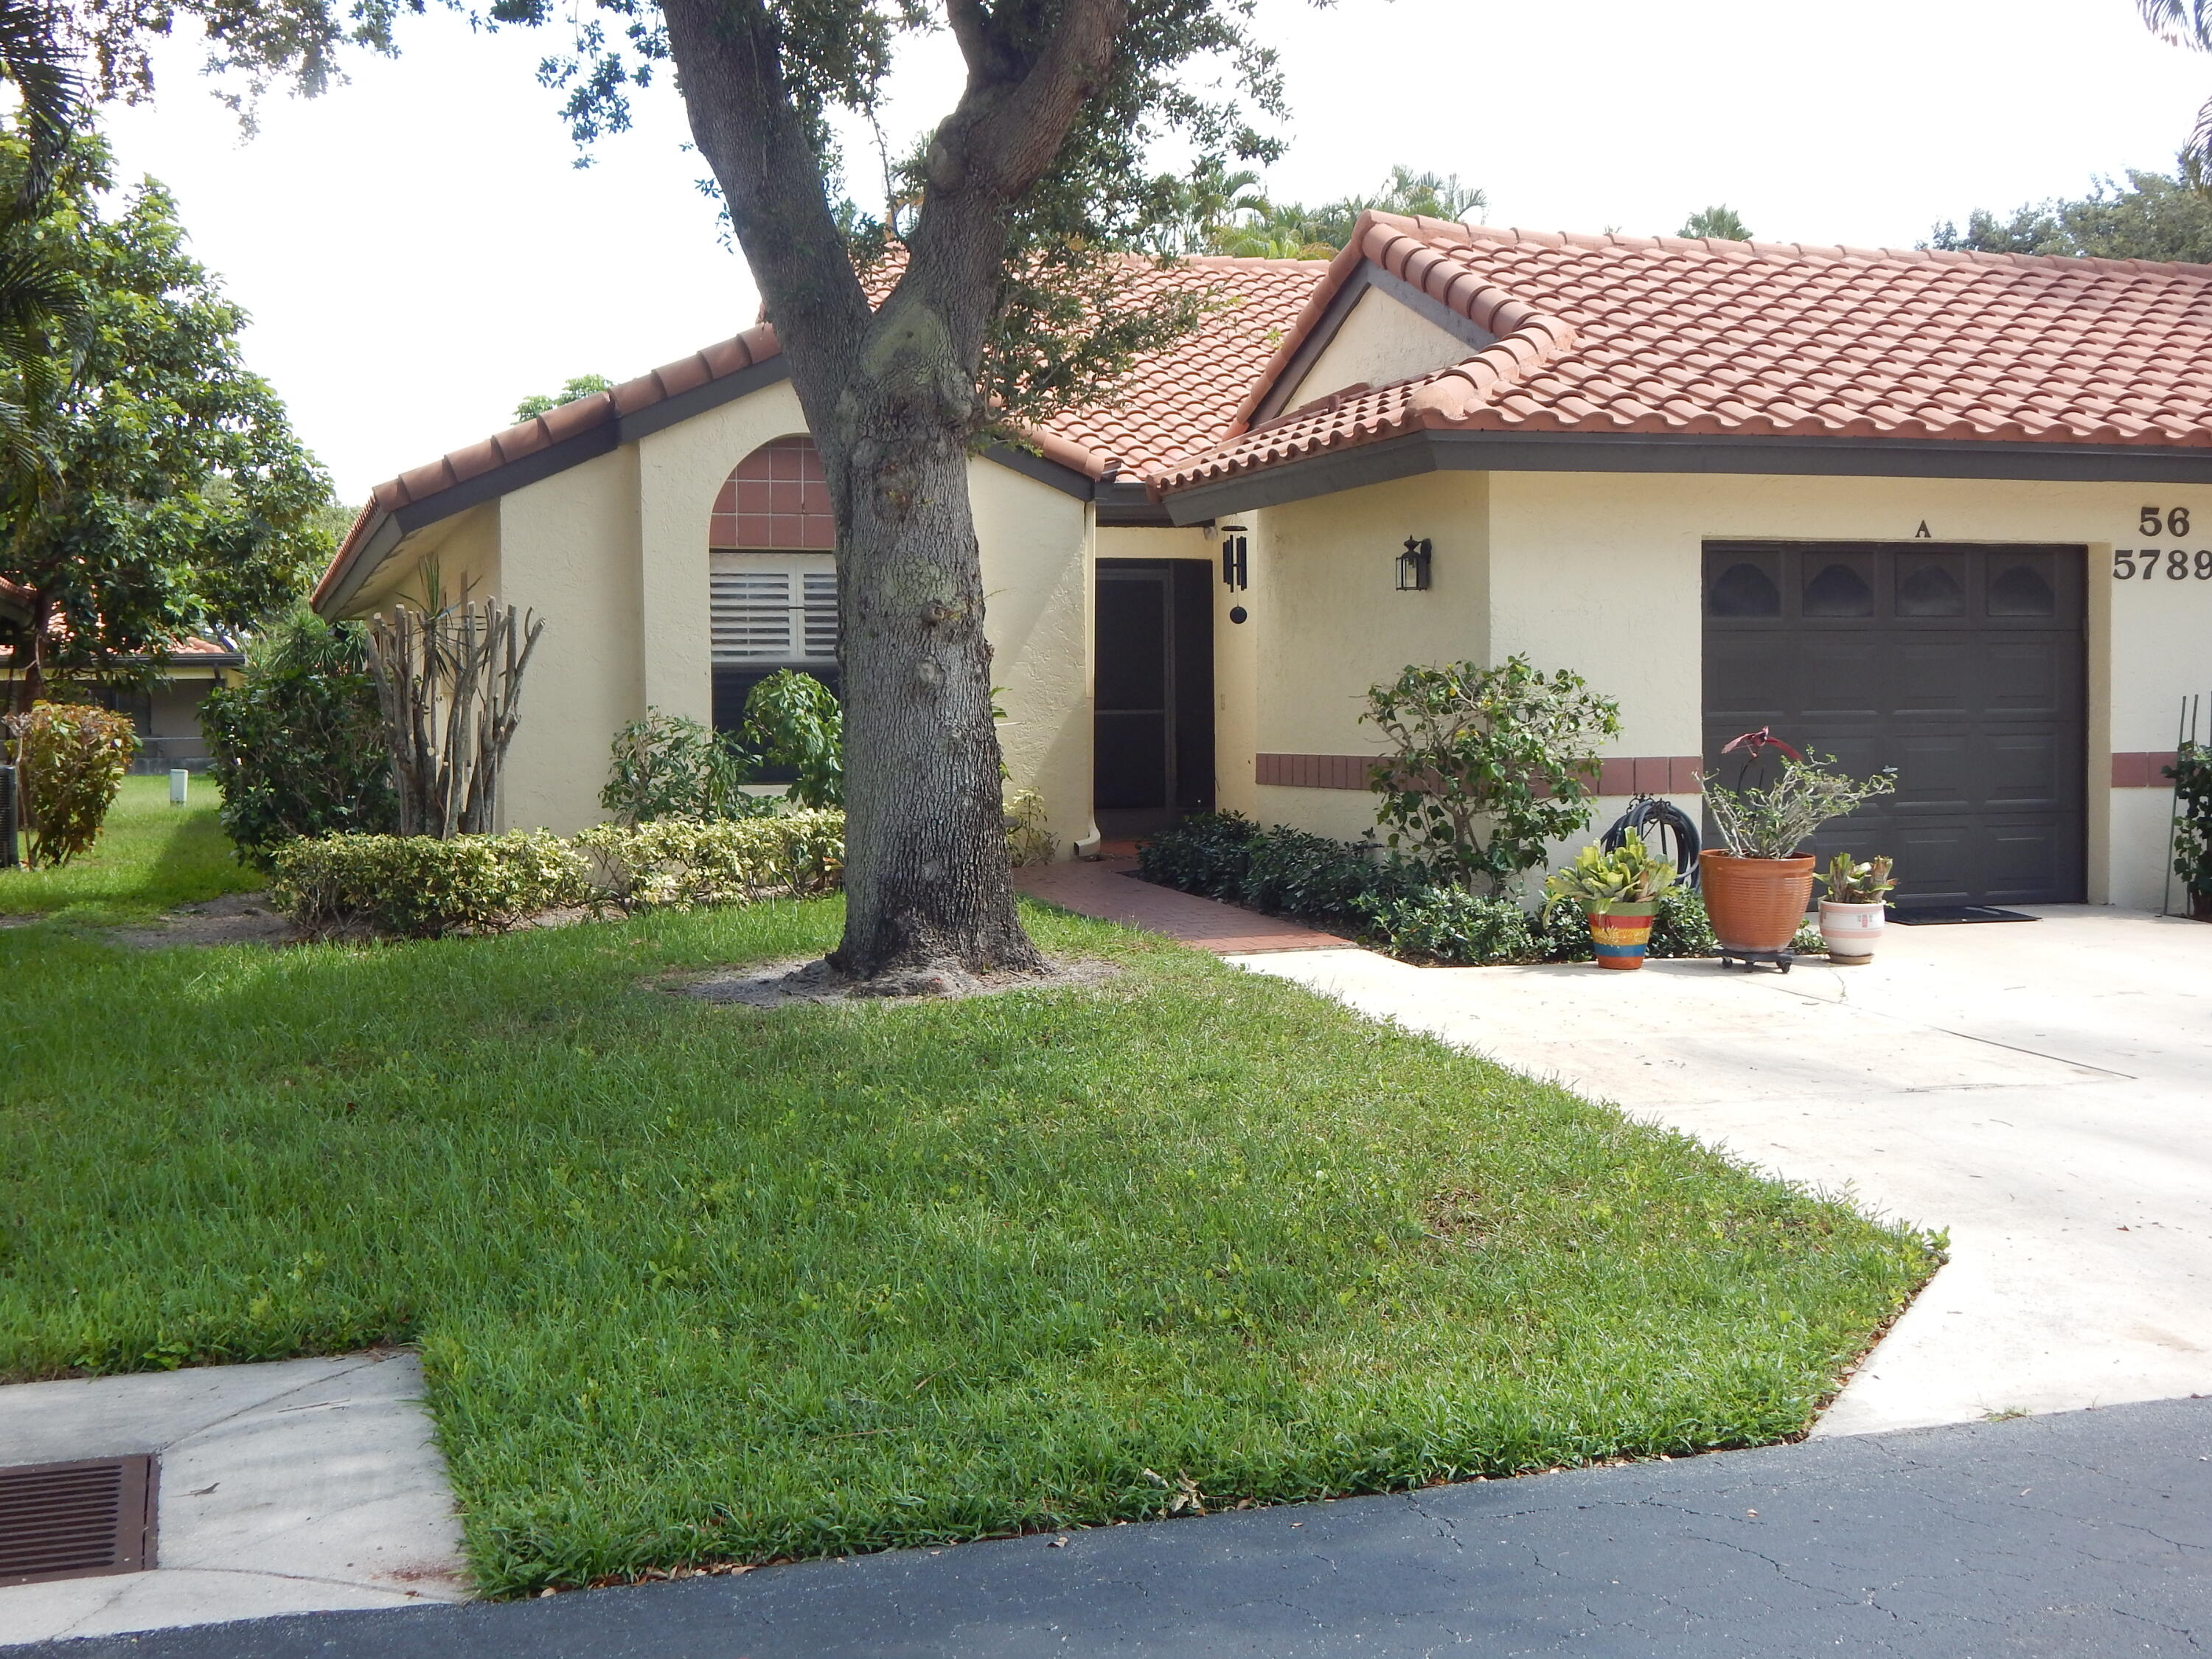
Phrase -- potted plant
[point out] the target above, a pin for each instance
(1853, 915)
(1757, 893)
(1619, 892)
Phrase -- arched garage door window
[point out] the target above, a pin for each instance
(772, 575)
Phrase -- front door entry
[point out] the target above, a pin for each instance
(1153, 734)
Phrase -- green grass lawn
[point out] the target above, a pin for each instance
(697, 1283)
(151, 856)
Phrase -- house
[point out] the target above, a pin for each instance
(165, 708)
(1924, 509)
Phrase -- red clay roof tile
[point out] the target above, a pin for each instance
(1671, 334)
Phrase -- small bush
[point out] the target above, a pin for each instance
(1029, 840)
(679, 863)
(793, 720)
(1681, 928)
(2191, 773)
(419, 887)
(1446, 924)
(669, 766)
(298, 746)
(70, 759)
(1207, 854)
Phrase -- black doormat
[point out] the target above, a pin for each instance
(1944, 916)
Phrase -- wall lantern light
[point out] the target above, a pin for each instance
(1413, 565)
(1235, 553)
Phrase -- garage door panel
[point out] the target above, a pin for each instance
(1961, 665)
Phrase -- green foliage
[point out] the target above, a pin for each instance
(577, 386)
(70, 759)
(793, 720)
(1773, 822)
(1719, 221)
(1681, 928)
(2191, 773)
(1030, 839)
(1223, 212)
(693, 1284)
(2154, 217)
(420, 887)
(1599, 879)
(1850, 881)
(680, 863)
(1435, 922)
(175, 498)
(298, 745)
(1206, 853)
(1487, 766)
(669, 766)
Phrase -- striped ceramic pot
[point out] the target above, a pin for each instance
(1620, 933)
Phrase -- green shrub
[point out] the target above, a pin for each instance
(793, 720)
(70, 759)
(681, 863)
(1450, 925)
(669, 766)
(1290, 873)
(298, 745)
(1030, 839)
(1487, 766)
(1680, 927)
(1207, 854)
(419, 887)
(2191, 773)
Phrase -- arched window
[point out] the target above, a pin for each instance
(772, 575)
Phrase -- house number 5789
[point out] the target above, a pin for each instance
(2145, 563)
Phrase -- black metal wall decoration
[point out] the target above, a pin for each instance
(1236, 571)
(1413, 565)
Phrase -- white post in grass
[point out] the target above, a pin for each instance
(180, 780)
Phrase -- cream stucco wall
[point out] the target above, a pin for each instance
(1379, 341)
(612, 554)
(1036, 551)
(1571, 564)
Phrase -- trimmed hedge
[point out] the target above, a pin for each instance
(681, 862)
(1399, 904)
(418, 887)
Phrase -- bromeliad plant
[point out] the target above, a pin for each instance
(1600, 881)
(1773, 822)
(1851, 882)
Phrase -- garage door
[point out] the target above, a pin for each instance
(1964, 668)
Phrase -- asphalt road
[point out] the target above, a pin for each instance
(2083, 1533)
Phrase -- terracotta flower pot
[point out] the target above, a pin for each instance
(1851, 931)
(1755, 904)
(1620, 933)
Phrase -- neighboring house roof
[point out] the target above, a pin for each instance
(1172, 402)
(1670, 337)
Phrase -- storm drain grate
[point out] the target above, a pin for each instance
(75, 1520)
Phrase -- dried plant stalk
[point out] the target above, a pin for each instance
(449, 682)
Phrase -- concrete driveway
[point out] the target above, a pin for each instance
(2043, 1091)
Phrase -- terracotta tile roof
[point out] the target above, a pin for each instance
(1666, 335)
(1173, 401)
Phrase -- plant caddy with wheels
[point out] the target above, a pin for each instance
(1757, 893)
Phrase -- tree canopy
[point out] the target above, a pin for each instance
(575, 386)
(1223, 212)
(2155, 216)
(173, 497)
(1719, 220)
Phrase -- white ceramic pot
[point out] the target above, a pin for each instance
(1850, 930)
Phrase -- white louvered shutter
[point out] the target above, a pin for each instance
(772, 608)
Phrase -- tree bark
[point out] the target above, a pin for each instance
(31, 656)
(890, 400)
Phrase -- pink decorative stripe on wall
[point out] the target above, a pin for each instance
(2140, 770)
(1623, 774)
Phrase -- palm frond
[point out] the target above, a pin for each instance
(35, 54)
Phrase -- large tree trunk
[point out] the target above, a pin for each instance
(891, 397)
(926, 880)
(30, 656)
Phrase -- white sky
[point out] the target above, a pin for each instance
(419, 253)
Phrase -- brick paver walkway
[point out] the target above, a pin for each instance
(1101, 889)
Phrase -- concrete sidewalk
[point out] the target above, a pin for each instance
(2077, 1534)
(2043, 1091)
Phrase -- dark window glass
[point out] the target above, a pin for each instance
(1929, 589)
(1745, 590)
(2020, 590)
(1838, 591)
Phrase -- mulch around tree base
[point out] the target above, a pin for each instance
(779, 984)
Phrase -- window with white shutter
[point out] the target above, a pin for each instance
(773, 609)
